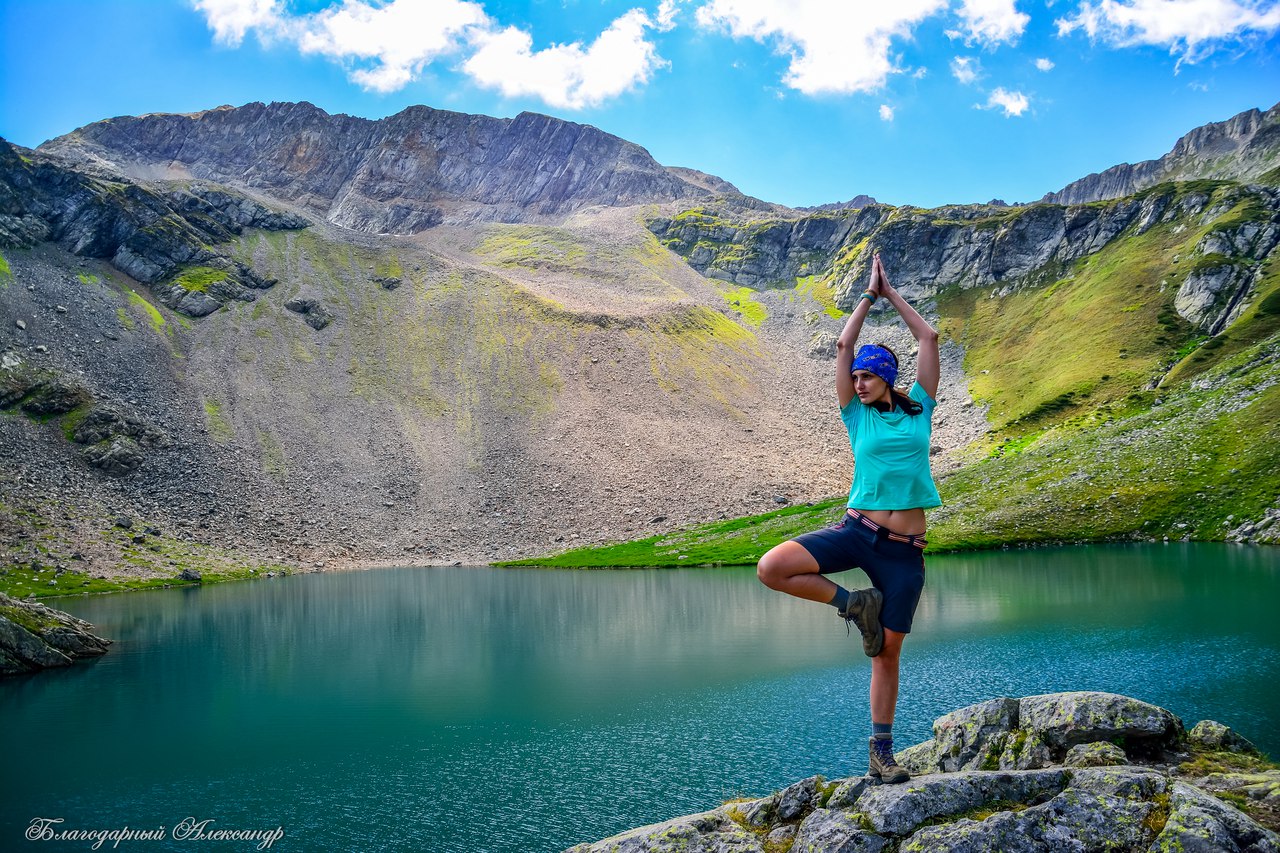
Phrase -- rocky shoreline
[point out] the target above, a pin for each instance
(35, 637)
(1077, 771)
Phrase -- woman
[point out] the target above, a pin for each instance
(882, 531)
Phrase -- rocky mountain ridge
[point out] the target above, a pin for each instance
(980, 246)
(1243, 148)
(400, 175)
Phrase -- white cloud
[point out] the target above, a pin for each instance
(386, 45)
(1044, 64)
(991, 22)
(230, 20)
(400, 37)
(965, 69)
(1192, 28)
(921, 73)
(666, 17)
(567, 75)
(886, 112)
(1013, 103)
(835, 46)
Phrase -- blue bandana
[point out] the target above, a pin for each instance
(878, 360)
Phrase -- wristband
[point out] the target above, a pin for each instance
(869, 296)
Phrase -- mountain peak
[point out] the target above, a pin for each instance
(401, 174)
(1242, 148)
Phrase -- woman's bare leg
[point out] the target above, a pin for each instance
(884, 678)
(790, 568)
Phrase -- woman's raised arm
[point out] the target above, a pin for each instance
(847, 343)
(928, 368)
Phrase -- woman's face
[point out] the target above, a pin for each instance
(869, 387)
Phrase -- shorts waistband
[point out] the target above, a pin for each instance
(884, 532)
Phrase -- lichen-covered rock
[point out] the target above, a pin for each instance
(822, 345)
(1065, 719)
(316, 315)
(107, 420)
(1201, 823)
(1212, 735)
(848, 791)
(798, 798)
(707, 832)
(1262, 786)
(899, 809)
(34, 637)
(117, 456)
(831, 831)
(1099, 754)
(964, 739)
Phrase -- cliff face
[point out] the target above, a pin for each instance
(978, 246)
(1243, 148)
(161, 236)
(400, 175)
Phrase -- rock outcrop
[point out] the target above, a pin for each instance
(1243, 148)
(400, 175)
(160, 238)
(980, 246)
(963, 801)
(35, 637)
(114, 436)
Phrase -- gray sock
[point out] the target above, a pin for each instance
(883, 731)
(841, 600)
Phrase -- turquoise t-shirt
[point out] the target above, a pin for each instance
(891, 455)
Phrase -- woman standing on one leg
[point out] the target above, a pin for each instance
(883, 530)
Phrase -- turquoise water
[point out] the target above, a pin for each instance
(475, 709)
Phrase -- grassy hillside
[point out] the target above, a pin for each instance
(1111, 416)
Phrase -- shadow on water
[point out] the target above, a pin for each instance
(483, 709)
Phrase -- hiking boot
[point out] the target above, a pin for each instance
(883, 765)
(864, 611)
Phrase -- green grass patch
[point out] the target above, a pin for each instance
(532, 247)
(1038, 355)
(738, 541)
(198, 279)
(273, 460)
(1206, 762)
(219, 427)
(152, 313)
(5, 272)
(742, 301)
(819, 289)
(88, 278)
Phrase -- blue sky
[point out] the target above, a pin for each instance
(922, 102)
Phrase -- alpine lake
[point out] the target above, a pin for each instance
(481, 709)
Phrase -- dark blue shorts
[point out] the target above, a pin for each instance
(895, 568)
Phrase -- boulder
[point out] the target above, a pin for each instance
(1100, 754)
(316, 315)
(35, 637)
(118, 456)
(1212, 735)
(1053, 808)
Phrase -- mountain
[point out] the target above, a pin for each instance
(1243, 148)
(217, 357)
(399, 175)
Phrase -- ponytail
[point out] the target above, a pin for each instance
(911, 407)
(899, 398)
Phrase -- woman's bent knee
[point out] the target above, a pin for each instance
(783, 562)
(769, 571)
